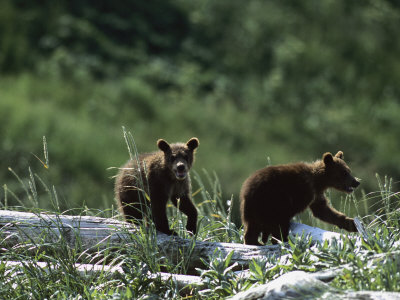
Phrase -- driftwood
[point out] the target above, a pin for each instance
(316, 234)
(94, 233)
(184, 283)
(302, 285)
(293, 285)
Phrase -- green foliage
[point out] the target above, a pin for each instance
(300, 253)
(216, 216)
(258, 82)
(383, 277)
(251, 80)
(370, 262)
(266, 269)
(219, 276)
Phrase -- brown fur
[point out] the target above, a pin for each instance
(272, 196)
(164, 175)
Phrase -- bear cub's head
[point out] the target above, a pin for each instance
(179, 157)
(338, 173)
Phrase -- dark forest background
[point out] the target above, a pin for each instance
(256, 81)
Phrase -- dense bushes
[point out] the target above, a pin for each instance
(252, 80)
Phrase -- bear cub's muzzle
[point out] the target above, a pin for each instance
(180, 169)
(354, 184)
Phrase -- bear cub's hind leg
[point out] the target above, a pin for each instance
(251, 234)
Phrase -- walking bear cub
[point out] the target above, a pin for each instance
(164, 175)
(272, 196)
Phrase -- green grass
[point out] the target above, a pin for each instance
(82, 121)
(139, 256)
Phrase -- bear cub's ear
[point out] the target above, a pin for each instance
(340, 155)
(163, 145)
(193, 143)
(327, 158)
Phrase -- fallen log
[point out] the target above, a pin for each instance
(184, 283)
(94, 233)
(299, 284)
(316, 234)
(302, 285)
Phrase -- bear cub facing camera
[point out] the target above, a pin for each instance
(164, 175)
(272, 196)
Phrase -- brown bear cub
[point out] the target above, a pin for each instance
(272, 196)
(164, 175)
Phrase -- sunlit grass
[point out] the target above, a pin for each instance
(368, 263)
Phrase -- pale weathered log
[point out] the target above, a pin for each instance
(242, 254)
(302, 285)
(320, 235)
(316, 234)
(184, 283)
(299, 284)
(94, 233)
